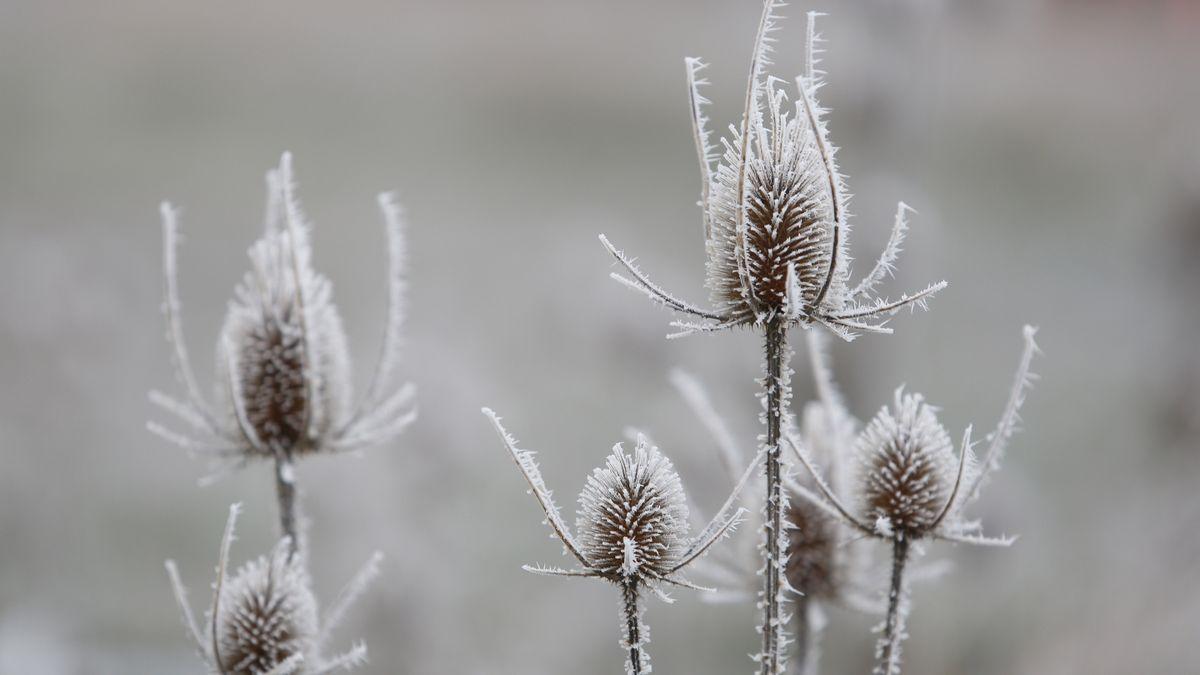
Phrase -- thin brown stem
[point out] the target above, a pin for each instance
(801, 634)
(285, 493)
(893, 632)
(638, 662)
(775, 394)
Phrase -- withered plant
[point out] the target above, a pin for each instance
(775, 222)
(263, 619)
(910, 488)
(283, 381)
(632, 530)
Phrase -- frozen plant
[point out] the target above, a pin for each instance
(264, 621)
(283, 385)
(911, 488)
(632, 530)
(775, 226)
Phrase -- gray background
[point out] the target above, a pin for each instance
(1050, 147)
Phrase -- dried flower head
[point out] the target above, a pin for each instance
(632, 528)
(774, 213)
(912, 488)
(283, 385)
(633, 516)
(263, 619)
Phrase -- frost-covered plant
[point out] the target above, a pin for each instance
(632, 529)
(825, 563)
(911, 488)
(775, 227)
(283, 385)
(264, 621)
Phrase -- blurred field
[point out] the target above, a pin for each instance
(1052, 150)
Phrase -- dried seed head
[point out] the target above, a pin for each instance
(788, 226)
(633, 517)
(908, 466)
(267, 615)
(812, 548)
(283, 339)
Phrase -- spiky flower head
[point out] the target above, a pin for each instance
(263, 619)
(908, 467)
(283, 385)
(633, 516)
(774, 213)
(268, 615)
(910, 484)
(632, 529)
(282, 352)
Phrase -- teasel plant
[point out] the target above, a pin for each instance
(826, 561)
(632, 530)
(911, 488)
(775, 221)
(263, 618)
(283, 380)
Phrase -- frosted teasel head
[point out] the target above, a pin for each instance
(263, 619)
(283, 381)
(632, 529)
(633, 516)
(774, 213)
(911, 486)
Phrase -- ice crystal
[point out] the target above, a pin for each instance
(283, 385)
(774, 213)
(264, 619)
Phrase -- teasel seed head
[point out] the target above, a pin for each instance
(775, 215)
(268, 615)
(263, 619)
(633, 516)
(908, 467)
(283, 376)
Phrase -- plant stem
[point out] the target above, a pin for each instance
(638, 662)
(285, 493)
(774, 537)
(889, 654)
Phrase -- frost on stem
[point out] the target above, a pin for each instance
(773, 206)
(282, 379)
(912, 488)
(632, 528)
(263, 619)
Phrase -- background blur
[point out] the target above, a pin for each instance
(1052, 149)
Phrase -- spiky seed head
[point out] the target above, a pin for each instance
(812, 564)
(908, 466)
(633, 516)
(284, 340)
(267, 614)
(788, 219)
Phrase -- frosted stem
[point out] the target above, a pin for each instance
(772, 657)
(639, 661)
(285, 494)
(893, 631)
